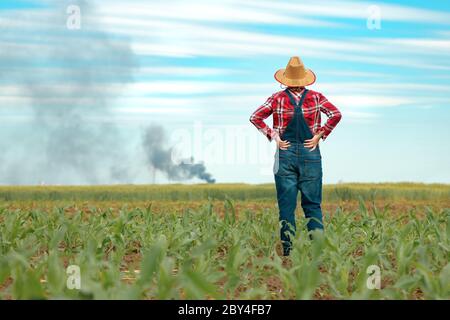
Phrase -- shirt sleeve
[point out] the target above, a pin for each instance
(333, 114)
(263, 112)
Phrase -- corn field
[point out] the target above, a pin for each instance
(222, 242)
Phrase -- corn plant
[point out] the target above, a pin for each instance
(224, 249)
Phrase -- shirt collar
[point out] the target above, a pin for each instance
(296, 93)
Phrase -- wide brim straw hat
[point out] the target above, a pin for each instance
(295, 74)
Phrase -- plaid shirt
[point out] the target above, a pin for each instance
(280, 106)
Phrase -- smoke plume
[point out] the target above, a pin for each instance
(70, 138)
(64, 83)
(159, 158)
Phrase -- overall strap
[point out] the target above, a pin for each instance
(305, 91)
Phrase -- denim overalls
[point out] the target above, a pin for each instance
(298, 169)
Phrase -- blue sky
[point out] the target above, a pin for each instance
(200, 68)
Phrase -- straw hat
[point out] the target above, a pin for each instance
(295, 74)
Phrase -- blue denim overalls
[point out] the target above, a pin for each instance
(298, 169)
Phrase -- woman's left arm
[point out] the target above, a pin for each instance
(333, 114)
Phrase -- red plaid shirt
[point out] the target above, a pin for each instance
(280, 106)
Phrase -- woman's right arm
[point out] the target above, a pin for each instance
(262, 113)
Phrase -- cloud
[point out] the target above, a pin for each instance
(156, 31)
(353, 10)
(208, 11)
(184, 39)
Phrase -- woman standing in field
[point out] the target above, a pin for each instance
(297, 131)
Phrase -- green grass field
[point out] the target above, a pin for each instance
(222, 242)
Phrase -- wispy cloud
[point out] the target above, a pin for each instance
(202, 11)
(168, 33)
(354, 10)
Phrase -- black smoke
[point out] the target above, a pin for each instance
(159, 157)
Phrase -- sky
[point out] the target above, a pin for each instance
(81, 82)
